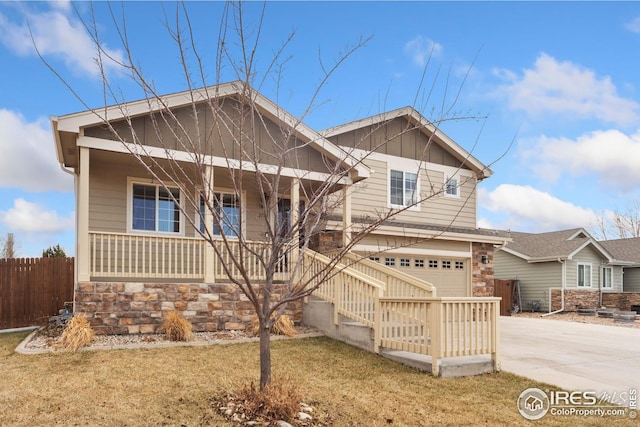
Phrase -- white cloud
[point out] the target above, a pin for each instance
(569, 89)
(610, 155)
(28, 159)
(421, 49)
(532, 210)
(57, 35)
(633, 25)
(31, 217)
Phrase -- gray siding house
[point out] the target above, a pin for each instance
(628, 250)
(561, 270)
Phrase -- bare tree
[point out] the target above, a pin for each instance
(619, 224)
(8, 247)
(258, 157)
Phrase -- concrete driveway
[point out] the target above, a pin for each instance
(573, 356)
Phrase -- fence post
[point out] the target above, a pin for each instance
(377, 325)
(495, 320)
(436, 336)
(338, 299)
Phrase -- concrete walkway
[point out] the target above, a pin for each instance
(572, 356)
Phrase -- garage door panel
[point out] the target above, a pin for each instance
(448, 275)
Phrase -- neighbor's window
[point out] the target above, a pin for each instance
(227, 208)
(155, 208)
(375, 258)
(433, 263)
(446, 265)
(418, 263)
(403, 188)
(459, 265)
(584, 275)
(405, 262)
(607, 278)
(451, 187)
(390, 262)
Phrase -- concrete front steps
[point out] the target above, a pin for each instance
(319, 314)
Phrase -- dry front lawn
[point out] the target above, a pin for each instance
(174, 387)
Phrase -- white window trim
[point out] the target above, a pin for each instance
(243, 213)
(578, 275)
(146, 181)
(416, 206)
(447, 178)
(603, 276)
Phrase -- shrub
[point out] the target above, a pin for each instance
(283, 326)
(280, 400)
(78, 333)
(176, 327)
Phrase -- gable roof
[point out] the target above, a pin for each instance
(413, 116)
(552, 246)
(66, 128)
(624, 249)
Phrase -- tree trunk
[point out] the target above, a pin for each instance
(265, 357)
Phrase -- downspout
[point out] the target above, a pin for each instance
(564, 275)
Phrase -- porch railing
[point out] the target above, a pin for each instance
(120, 255)
(353, 294)
(136, 256)
(441, 327)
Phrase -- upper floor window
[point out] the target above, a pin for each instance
(403, 188)
(607, 277)
(155, 208)
(227, 208)
(584, 275)
(452, 187)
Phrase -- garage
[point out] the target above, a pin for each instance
(448, 274)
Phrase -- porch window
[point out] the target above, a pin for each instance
(227, 208)
(155, 208)
(607, 277)
(403, 188)
(584, 275)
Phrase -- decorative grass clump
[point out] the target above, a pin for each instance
(279, 400)
(176, 327)
(283, 326)
(78, 333)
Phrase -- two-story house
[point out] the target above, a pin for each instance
(138, 252)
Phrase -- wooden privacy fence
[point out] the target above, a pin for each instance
(32, 289)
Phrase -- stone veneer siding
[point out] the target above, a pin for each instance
(620, 300)
(574, 299)
(138, 308)
(482, 284)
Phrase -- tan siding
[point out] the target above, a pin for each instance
(390, 241)
(398, 138)
(535, 279)
(372, 194)
(219, 136)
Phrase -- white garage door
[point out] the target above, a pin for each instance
(449, 275)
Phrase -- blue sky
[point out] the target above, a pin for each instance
(560, 80)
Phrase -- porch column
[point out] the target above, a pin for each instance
(209, 253)
(346, 215)
(295, 215)
(83, 249)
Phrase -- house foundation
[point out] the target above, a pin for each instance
(620, 300)
(138, 308)
(575, 299)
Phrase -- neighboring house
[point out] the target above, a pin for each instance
(137, 256)
(561, 270)
(627, 250)
(438, 240)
